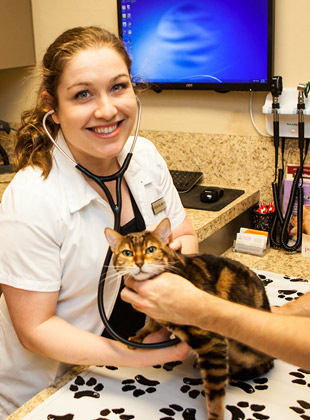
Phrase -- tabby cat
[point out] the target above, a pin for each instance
(146, 254)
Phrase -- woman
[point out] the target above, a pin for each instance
(52, 218)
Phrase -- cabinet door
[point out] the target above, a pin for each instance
(16, 34)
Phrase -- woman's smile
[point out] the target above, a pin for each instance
(105, 130)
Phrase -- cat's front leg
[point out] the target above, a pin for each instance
(149, 327)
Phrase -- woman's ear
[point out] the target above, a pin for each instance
(48, 100)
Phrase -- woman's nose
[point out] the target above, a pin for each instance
(105, 109)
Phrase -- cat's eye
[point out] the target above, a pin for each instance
(127, 253)
(150, 250)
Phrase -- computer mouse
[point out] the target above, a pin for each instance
(211, 194)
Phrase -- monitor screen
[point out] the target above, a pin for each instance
(211, 44)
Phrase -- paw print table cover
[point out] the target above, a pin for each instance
(174, 391)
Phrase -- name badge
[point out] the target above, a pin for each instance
(159, 205)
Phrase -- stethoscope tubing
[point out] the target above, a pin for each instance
(116, 209)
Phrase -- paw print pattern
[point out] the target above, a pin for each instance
(170, 412)
(111, 367)
(264, 279)
(189, 383)
(260, 384)
(300, 377)
(169, 366)
(301, 409)
(92, 391)
(64, 417)
(239, 414)
(120, 412)
(289, 294)
(297, 280)
(148, 385)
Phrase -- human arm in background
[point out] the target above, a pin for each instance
(184, 238)
(298, 307)
(41, 331)
(172, 298)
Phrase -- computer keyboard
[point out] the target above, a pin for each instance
(185, 180)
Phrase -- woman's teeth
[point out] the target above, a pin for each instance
(105, 130)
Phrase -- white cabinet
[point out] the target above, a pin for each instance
(16, 34)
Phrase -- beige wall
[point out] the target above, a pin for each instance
(200, 112)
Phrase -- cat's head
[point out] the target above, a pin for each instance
(141, 255)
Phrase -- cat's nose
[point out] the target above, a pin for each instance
(139, 264)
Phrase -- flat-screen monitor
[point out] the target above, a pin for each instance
(220, 45)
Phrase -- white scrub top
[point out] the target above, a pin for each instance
(52, 239)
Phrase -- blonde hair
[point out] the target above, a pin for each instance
(33, 147)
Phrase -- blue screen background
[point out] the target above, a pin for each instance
(207, 41)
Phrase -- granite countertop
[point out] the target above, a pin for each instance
(276, 261)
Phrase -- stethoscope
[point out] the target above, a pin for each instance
(116, 208)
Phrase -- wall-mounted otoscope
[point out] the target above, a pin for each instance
(301, 88)
(297, 186)
(276, 91)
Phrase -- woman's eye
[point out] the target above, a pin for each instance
(127, 253)
(119, 86)
(150, 250)
(84, 94)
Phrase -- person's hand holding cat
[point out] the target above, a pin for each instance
(163, 297)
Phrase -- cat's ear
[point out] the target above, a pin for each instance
(163, 230)
(113, 238)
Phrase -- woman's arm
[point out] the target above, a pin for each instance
(41, 331)
(184, 238)
(172, 298)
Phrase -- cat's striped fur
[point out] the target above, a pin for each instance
(145, 254)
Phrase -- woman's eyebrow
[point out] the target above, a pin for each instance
(81, 83)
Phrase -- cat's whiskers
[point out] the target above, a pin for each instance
(112, 277)
(161, 266)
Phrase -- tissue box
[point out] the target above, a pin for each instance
(251, 241)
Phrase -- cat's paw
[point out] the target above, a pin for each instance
(138, 338)
(134, 339)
